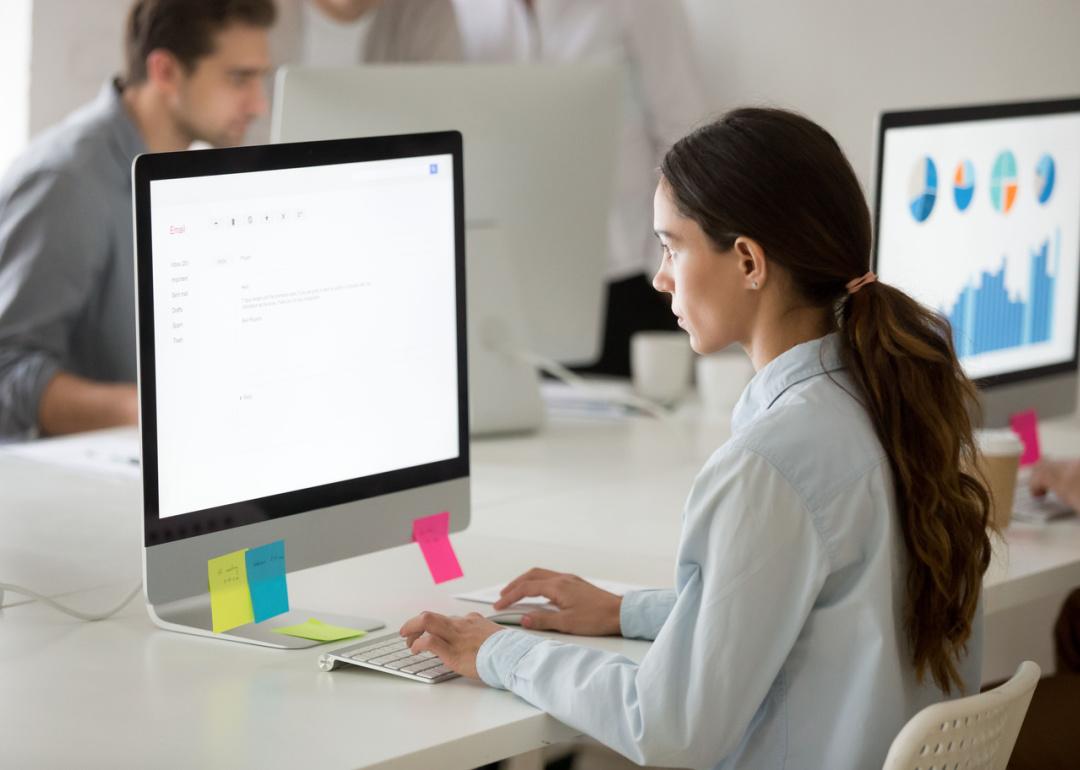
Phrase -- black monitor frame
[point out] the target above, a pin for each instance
(176, 165)
(941, 115)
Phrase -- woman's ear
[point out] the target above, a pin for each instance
(752, 263)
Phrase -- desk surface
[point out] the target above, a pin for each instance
(601, 499)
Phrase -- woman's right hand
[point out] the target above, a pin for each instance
(583, 609)
(1062, 477)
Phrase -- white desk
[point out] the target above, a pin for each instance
(597, 499)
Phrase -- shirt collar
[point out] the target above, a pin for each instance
(125, 140)
(806, 360)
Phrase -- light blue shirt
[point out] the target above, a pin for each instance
(783, 643)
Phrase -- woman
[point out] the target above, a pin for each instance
(832, 554)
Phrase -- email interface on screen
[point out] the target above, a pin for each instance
(980, 220)
(305, 327)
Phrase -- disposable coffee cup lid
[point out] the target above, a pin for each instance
(998, 442)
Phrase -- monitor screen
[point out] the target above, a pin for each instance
(305, 328)
(978, 217)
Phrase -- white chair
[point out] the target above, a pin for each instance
(973, 733)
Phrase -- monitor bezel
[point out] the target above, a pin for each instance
(966, 114)
(147, 168)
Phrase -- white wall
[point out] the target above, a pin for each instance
(76, 46)
(15, 18)
(839, 61)
(843, 61)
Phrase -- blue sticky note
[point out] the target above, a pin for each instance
(266, 579)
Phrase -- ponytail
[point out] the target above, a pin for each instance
(901, 355)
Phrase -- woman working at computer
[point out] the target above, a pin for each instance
(832, 553)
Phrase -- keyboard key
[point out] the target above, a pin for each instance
(384, 659)
(431, 673)
(421, 666)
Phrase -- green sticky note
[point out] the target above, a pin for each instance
(230, 597)
(319, 631)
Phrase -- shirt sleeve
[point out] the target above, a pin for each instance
(750, 566)
(667, 74)
(51, 240)
(643, 613)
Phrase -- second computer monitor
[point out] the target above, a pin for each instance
(978, 217)
(539, 161)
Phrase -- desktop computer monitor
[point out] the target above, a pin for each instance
(977, 216)
(540, 157)
(302, 358)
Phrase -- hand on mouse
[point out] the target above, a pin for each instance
(1062, 477)
(582, 608)
(455, 640)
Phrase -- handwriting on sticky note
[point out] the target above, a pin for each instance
(1026, 426)
(267, 581)
(319, 631)
(432, 533)
(230, 599)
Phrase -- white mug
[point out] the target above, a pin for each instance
(721, 379)
(660, 365)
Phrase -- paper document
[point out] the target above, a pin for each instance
(491, 595)
(99, 453)
(601, 400)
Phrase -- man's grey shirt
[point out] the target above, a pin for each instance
(66, 258)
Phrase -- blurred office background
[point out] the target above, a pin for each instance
(840, 61)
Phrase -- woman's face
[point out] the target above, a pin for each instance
(708, 288)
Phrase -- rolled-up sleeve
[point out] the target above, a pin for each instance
(53, 237)
(750, 566)
(643, 613)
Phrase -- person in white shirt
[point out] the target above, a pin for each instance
(830, 568)
(664, 99)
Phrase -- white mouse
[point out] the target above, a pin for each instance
(513, 614)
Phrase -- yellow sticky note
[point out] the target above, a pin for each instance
(319, 631)
(230, 597)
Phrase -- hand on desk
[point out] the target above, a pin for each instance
(455, 640)
(1062, 477)
(583, 609)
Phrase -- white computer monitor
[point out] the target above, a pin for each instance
(978, 217)
(540, 146)
(302, 358)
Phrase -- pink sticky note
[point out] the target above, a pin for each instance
(433, 535)
(1026, 426)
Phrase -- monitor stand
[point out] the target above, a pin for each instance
(192, 616)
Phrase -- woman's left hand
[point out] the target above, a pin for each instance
(455, 640)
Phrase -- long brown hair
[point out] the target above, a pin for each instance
(780, 179)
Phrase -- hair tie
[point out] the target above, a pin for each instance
(857, 283)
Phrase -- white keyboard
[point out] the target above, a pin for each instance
(1039, 510)
(389, 654)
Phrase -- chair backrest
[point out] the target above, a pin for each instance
(973, 733)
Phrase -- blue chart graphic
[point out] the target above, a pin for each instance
(1044, 178)
(985, 318)
(964, 184)
(922, 188)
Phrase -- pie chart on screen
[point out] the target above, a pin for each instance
(963, 184)
(1003, 183)
(922, 189)
(1044, 178)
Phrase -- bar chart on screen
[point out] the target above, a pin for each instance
(987, 316)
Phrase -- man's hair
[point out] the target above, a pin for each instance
(185, 28)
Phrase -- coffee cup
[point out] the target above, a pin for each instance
(999, 461)
(721, 379)
(660, 365)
